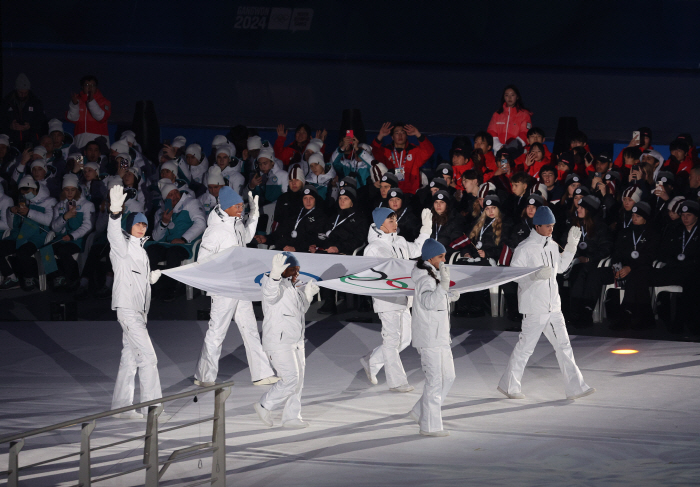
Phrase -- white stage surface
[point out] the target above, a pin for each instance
(642, 427)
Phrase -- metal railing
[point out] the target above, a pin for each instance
(151, 462)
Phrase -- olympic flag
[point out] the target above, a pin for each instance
(237, 272)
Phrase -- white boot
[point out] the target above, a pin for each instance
(515, 395)
(264, 415)
(583, 394)
(402, 388)
(295, 424)
(435, 433)
(267, 381)
(203, 384)
(128, 415)
(368, 371)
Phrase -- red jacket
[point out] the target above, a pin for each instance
(291, 154)
(489, 166)
(620, 161)
(510, 124)
(86, 123)
(412, 161)
(459, 170)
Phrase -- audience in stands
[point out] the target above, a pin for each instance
(637, 213)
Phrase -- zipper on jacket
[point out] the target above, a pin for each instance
(507, 125)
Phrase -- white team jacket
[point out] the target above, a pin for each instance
(284, 307)
(430, 323)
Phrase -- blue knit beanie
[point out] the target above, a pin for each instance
(544, 216)
(291, 260)
(431, 248)
(228, 198)
(135, 218)
(381, 214)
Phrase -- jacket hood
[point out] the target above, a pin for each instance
(43, 193)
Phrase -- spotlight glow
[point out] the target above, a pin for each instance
(625, 352)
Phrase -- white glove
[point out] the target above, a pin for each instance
(116, 199)
(278, 266)
(253, 203)
(310, 290)
(572, 239)
(444, 277)
(453, 296)
(544, 273)
(155, 275)
(426, 218)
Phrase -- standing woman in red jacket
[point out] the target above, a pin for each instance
(90, 112)
(511, 121)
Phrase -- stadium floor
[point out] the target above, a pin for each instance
(640, 428)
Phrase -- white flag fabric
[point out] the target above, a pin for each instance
(237, 272)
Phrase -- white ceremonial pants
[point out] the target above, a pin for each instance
(439, 368)
(223, 309)
(396, 336)
(286, 392)
(554, 328)
(137, 354)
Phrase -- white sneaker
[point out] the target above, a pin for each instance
(266, 381)
(583, 394)
(515, 395)
(414, 417)
(264, 415)
(128, 415)
(203, 384)
(402, 388)
(296, 424)
(435, 433)
(368, 371)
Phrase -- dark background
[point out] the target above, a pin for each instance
(442, 66)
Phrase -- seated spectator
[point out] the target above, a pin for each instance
(388, 181)
(290, 202)
(23, 116)
(595, 245)
(228, 169)
(548, 176)
(23, 166)
(471, 180)
(353, 159)
(511, 122)
(460, 154)
(629, 157)
(215, 181)
(346, 229)
(446, 172)
(268, 182)
(5, 225)
(61, 141)
(660, 196)
(294, 152)
(91, 187)
(630, 197)
(483, 157)
(680, 251)
(487, 238)
(642, 144)
(31, 222)
(198, 165)
(313, 147)
(73, 220)
(136, 195)
(403, 157)
(301, 232)
(517, 200)
(7, 156)
(693, 191)
(424, 196)
(324, 181)
(169, 174)
(179, 222)
(523, 227)
(448, 224)
(254, 144)
(533, 161)
(407, 221)
(534, 135)
(634, 252)
(654, 159)
(90, 112)
(370, 192)
(672, 219)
